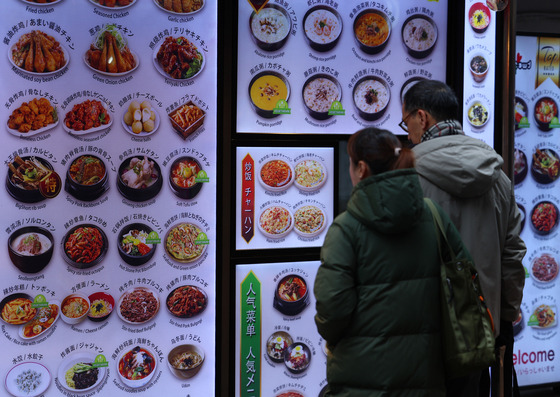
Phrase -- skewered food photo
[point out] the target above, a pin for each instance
(109, 53)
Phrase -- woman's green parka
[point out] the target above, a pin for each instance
(377, 292)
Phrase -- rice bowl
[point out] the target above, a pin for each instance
(419, 35)
(322, 26)
(319, 93)
(371, 96)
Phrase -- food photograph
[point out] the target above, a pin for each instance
(138, 305)
(372, 30)
(133, 244)
(286, 179)
(78, 373)
(371, 96)
(183, 177)
(109, 53)
(84, 246)
(183, 242)
(38, 53)
(17, 309)
(323, 27)
(544, 217)
(266, 89)
(31, 248)
(178, 58)
(545, 165)
(33, 117)
(185, 361)
(180, 7)
(186, 301)
(113, 4)
(24, 178)
(319, 93)
(87, 117)
(544, 268)
(43, 321)
(141, 118)
(28, 379)
(270, 27)
(87, 178)
(139, 178)
(419, 34)
(136, 367)
(186, 119)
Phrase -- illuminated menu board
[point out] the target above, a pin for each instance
(333, 67)
(279, 352)
(479, 71)
(109, 197)
(536, 167)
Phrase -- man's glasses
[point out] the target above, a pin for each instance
(402, 124)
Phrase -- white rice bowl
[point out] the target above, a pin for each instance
(419, 34)
(322, 26)
(361, 96)
(270, 25)
(320, 93)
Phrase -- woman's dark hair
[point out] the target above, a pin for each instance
(433, 96)
(380, 150)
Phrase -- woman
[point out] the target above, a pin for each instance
(377, 289)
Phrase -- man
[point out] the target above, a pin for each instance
(464, 176)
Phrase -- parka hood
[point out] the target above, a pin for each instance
(460, 165)
(390, 202)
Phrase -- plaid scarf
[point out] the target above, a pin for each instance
(443, 128)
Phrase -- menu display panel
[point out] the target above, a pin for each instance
(278, 349)
(334, 67)
(108, 197)
(284, 196)
(536, 165)
(479, 71)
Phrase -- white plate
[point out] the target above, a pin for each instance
(116, 8)
(75, 358)
(314, 232)
(64, 50)
(91, 130)
(277, 188)
(41, 4)
(165, 74)
(136, 60)
(29, 98)
(153, 292)
(128, 128)
(20, 368)
(284, 232)
(179, 13)
(53, 302)
(554, 322)
(319, 184)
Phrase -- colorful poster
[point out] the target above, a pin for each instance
(284, 197)
(329, 67)
(278, 351)
(109, 197)
(479, 72)
(536, 166)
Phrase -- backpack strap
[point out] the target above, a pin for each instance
(441, 230)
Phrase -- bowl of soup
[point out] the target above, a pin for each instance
(74, 308)
(31, 248)
(291, 295)
(139, 178)
(419, 35)
(322, 27)
(185, 361)
(270, 27)
(87, 178)
(24, 178)
(184, 177)
(136, 367)
(372, 30)
(371, 96)
(266, 89)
